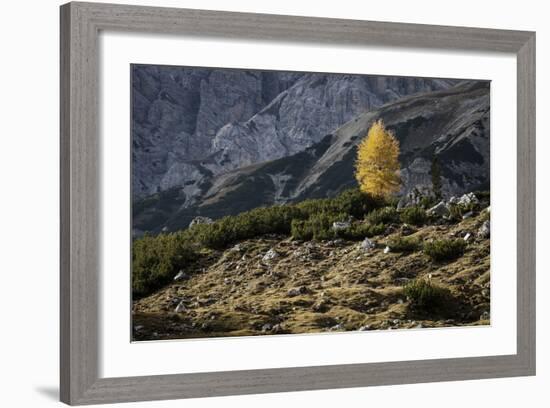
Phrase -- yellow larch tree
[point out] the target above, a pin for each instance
(377, 165)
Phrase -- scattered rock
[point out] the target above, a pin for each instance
(485, 316)
(335, 242)
(406, 229)
(180, 307)
(467, 199)
(340, 225)
(270, 255)
(351, 264)
(485, 230)
(440, 210)
(402, 203)
(205, 301)
(200, 220)
(413, 198)
(367, 245)
(181, 276)
(469, 214)
(453, 200)
(237, 248)
(277, 328)
(320, 307)
(300, 290)
(164, 229)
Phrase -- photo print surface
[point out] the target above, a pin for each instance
(272, 202)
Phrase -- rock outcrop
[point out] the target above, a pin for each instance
(189, 124)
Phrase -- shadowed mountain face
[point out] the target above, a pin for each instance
(452, 124)
(192, 124)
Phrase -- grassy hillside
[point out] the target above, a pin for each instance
(156, 259)
(290, 269)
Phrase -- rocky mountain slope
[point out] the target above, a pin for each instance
(191, 124)
(276, 285)
(452, 124)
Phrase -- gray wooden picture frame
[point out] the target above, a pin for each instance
(80, 233)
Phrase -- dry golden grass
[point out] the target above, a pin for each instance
(318, 287)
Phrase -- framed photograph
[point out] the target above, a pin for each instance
(261, 203)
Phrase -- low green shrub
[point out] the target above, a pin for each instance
(317, 226)
(483, 195)
(249, 224)
(445, 249)
(458, 210)
(309, 219)
(220, 234)
(403, 244)
(351, 202)
(428, 202)
(413, 215)
(392, 201)
(484, 215)
(301, 230)
(425, 294)
(156, 260)
(359, 231)
(385, 215)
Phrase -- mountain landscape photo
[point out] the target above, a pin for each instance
(270, 202)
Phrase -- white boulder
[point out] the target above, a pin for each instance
(469, 214)
(485, 230)
(200, 220)
(467, 199)
(180, 307)
(340, 225)
(270, 255)
(440, 210)
(367, 245)
(181, 276)
(453, 200)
